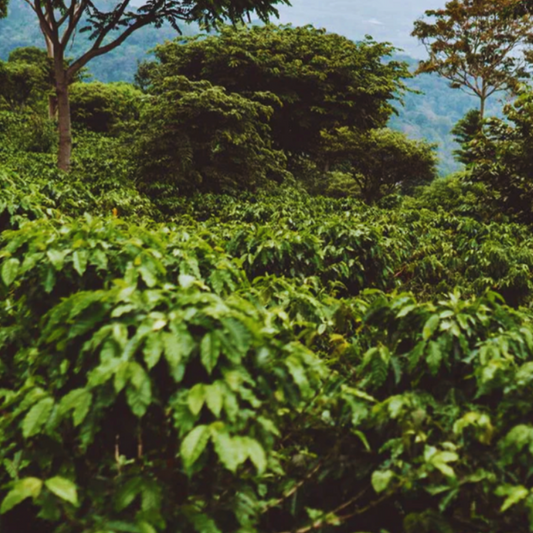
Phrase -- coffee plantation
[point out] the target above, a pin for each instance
(252, 307)
(268, 362)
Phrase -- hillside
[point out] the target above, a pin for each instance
(432, 111)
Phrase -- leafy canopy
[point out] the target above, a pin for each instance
(503, 160)
(477, 45)
(312, 79)
(380, 161)
(194, 136)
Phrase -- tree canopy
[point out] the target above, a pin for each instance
(379, 162)
(477, 45)
(502, 158)
(195, 136)
(312, 79)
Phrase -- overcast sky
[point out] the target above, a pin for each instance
(385, 20)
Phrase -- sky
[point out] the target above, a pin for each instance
(384, 20)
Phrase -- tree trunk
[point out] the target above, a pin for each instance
(52, 98)
(63, 107)
(483, 98)
(52, 106)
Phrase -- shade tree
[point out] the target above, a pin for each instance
(376, 163)
(503, 158)
(477, 45)
(109, 24)
(194, 136)
(313, 80)
(104, 107)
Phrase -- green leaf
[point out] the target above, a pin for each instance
(153, 348)
(405, 310)
(128, 492)
(362, 438)
(79, 260)
(204, 524)
(139, 392)
(118, 525)
(63, 488)
(214, 397)
(257, 454)
(145, 527)
(186, 281)
(225, 448)
(149, 274)
(434, 357)
(193, 445)
(151, 495)
(29, 487)
(37, 417)
(196, 398)
(178, 345)
(209, 351)
(57, 258)
(79, 401)
(381, 480)
(10, 269)
(430, 327)
(121, 376)
(514, 495)
(440, 461)
(50, 280)
(297, 371)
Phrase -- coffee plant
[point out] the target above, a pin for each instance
(268, 362)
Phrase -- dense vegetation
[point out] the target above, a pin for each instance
(209, 325)
(431, 117)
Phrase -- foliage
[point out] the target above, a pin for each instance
(108, 26)
(379, 162)
(104, 107)
(503, 160)
(266, 360)
(198, 137)
(312, 79)
(244, 372)
(22, 82)
(465, 131)
(26, 131)
(476, 44)
(100, 181)
(456, 195)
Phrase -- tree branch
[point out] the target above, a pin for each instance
(95, 51)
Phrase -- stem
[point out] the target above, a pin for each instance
(64, 126)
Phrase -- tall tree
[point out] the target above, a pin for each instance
(109, 24)
(476, 45)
